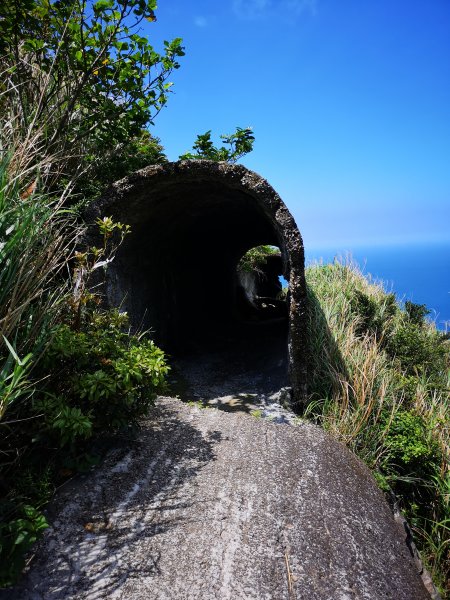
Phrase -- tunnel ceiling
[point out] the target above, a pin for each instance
(191, 222)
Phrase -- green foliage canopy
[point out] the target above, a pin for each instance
(80, 73)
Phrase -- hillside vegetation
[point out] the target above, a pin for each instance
(379, 381)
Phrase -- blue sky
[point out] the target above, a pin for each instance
(349, 102)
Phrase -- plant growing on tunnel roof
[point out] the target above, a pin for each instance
(240, 143)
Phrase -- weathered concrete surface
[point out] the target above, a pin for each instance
(214, 505)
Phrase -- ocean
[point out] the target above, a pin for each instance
(420, 273)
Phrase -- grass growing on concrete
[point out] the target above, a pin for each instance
(379, 382)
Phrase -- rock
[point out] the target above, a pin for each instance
(213, 505)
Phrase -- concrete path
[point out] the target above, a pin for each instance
(214, 505)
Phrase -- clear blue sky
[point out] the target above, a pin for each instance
(349, 102)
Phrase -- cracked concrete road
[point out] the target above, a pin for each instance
(213, 505)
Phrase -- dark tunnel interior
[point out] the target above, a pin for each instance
(178, 276)
(178, 268)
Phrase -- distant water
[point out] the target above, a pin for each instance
(420, 273)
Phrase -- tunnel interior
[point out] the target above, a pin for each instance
(180, 265)
(177, 273)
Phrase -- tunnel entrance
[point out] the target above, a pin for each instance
(177, 273)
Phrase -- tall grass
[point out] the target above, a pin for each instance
(36, 240)
(32, 254)
(53, 141)
(379, 382)
(36, 237)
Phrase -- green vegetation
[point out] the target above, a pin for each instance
(80, 80)
(84, 378)
(255, 258)
(240, 143)
(79, 86)
(379, 382)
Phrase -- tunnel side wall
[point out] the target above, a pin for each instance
(132, 200)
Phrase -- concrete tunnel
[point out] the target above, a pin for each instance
(175, 274)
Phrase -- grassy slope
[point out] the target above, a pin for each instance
(379, 382)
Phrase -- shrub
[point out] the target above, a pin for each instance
(409, 447)
(132, 154)
(419, 351)
(17, 536)
(255, 258)
(81, 79)
(69, 372)
(93, 378)
(101, 378)
(240, 143)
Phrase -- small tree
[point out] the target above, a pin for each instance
(240, 143)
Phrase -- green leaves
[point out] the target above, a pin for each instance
(105, 381)
(16, 538)
(255, 258)
(102, 5)
(240, 142)
(72, 424)
(409, 446)
(13, 378)
(91, 68)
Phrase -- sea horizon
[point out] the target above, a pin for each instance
(417, 271)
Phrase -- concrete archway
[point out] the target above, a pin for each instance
(191, 222)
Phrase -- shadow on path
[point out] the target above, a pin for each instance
(240, 367)
(98, 520)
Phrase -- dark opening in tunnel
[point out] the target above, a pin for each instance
(181, 261)
(176, 273)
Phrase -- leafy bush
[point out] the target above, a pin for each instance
(80, 79)
(79, 86)
(102, 378)
(93, 378)
(419, 352)
(130, 155)
(98, 380)
(410, 447)
(17, 536)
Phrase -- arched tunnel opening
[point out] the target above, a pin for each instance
(178, 273)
